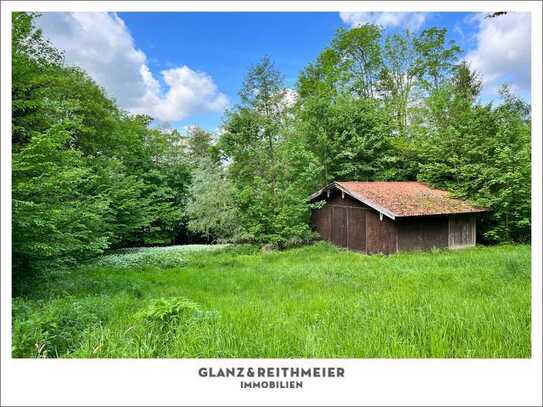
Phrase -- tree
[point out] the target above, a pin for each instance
(437, 57)
(359, 58)
(414, 65)
(349, 137)
(166, 172)
(482, 153)
(340, 112)
(350, 65)
(200, 145)
(34, 65)
(398, 78)
(58, 212)
(86, 175)
(252, 144)
(211, 209)
(262, 93)
(467, 83)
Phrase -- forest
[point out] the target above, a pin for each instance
(88, 177)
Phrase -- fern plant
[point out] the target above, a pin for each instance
(170, 310)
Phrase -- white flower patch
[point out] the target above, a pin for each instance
(163, 257)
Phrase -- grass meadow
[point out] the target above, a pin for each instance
(312, 302)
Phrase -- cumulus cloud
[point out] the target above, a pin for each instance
(188, 92)
(502, 53)
(101, 44)
(412, 21)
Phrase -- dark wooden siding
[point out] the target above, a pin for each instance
(321, 219)
(343, 226)
(356, 223)
(423, 232)
(348, 223)
(461, 231)
(381, 234)
(339, 226)
(342, 221)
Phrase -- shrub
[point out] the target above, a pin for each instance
(56, 328)
(170, 310)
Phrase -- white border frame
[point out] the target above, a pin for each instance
(367, 381)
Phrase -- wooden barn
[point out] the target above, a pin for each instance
(387, 217)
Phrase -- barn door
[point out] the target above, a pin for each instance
(356, 229)
(348, 227)
(339, 226)
(461, 231)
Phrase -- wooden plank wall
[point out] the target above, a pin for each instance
(321, 220)
(339, 226)
(356, 234)
(462, 231)
(381, 235)
(423, 233)
(342, 221)
(348, 223)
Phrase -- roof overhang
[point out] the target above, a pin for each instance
(356, 196)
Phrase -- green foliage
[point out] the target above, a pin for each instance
(86, 176)
(128, 212)
(467, 83)
(482, 153)
(316, 301)
(170, 310)
(270, 203)
(349, 138)
(359, 57)
(35, 65)
(393, 70)
(436, 57)
(201, 146)
(212, 210)
(56, 210)
(55, 328)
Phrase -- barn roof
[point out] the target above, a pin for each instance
(402, 199)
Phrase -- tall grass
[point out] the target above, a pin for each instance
(311, 302)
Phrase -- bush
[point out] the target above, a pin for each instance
(175, 309)
(55, 328)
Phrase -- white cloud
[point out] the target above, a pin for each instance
(412, 21)
(101, 44)
(188, 92)
(502, 53)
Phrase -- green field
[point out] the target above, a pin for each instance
(311, 302)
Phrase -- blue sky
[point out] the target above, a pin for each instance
(186, 68)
